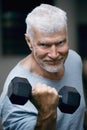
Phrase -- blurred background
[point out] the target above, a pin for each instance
(12, 29)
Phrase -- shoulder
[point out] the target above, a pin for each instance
(17, 71)
(73, 63)
(74, 57)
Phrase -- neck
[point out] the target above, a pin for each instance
(30, 64)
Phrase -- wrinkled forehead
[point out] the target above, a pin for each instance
(48, 37)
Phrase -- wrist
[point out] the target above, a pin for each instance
(46, 120)
(47, 114)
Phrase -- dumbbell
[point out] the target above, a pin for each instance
(20, 91)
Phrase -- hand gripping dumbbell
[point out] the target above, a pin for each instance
(20, 91)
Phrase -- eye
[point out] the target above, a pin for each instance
(61, 42)
(44, 45)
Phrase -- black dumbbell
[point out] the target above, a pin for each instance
(20, 91)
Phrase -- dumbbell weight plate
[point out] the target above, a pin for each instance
(70, 99)
(19, 91)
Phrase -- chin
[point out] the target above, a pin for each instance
(54, 69)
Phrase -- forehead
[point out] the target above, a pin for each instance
(49, 37)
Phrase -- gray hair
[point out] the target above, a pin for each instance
(46, 18)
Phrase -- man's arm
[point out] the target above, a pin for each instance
(45, 100)
(46, 121)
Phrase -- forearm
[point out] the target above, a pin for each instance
(46, 121)
(45, 100)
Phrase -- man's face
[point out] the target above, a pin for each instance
(50, 51)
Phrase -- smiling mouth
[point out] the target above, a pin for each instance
(53, 62)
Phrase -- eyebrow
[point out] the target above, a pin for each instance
(46, 42)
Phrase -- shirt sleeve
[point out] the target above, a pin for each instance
(16, 117)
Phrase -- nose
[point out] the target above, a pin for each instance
(53, 53)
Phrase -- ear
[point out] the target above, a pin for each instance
(28, 41)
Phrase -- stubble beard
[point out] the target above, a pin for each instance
(52, 69)
(55, 68)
